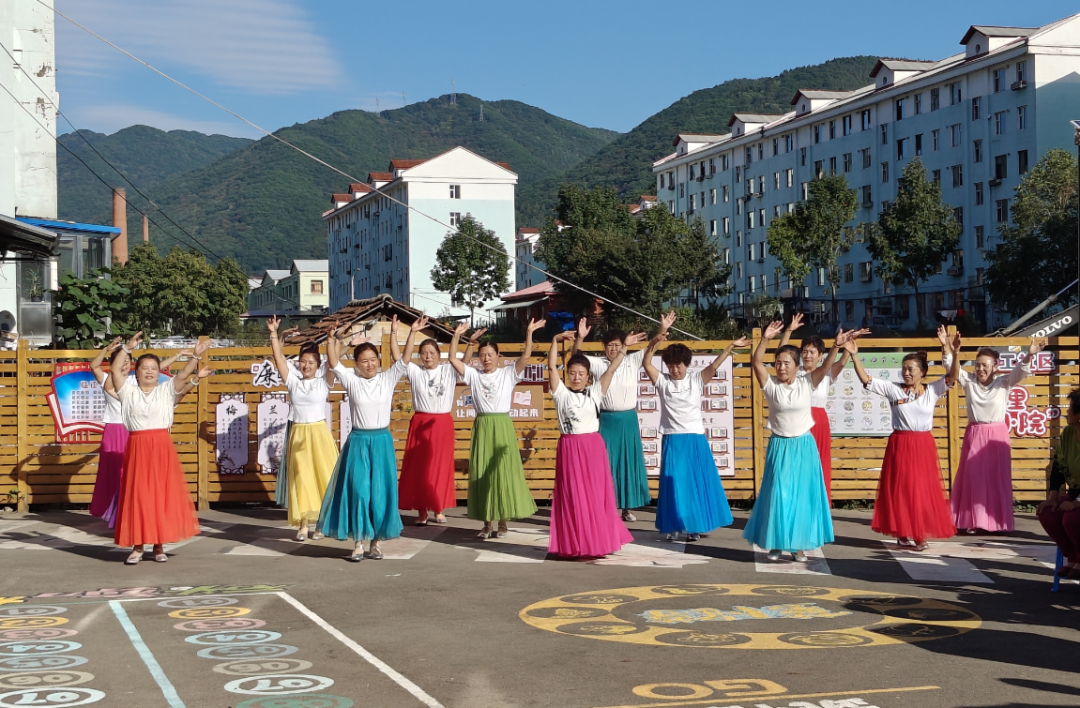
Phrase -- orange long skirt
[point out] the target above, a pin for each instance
(154, 505)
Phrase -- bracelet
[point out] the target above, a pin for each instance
(193, 381)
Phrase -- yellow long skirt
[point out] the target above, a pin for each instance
(310, 458)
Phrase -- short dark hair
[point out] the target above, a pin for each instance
(987, 351)
(677, 354)
(918, 357)
(363, 347)
(429, 342)
(813, 341)
(312, 349)
(487, 343)
(613, 335)
(579, 359)
(789, 349)
(1074, 401)
(148, 357)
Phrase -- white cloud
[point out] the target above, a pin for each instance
(258, 46)
(111, 118)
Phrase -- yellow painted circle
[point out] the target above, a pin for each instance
(715, 617)
(44, 679)
(209, 612)
(31, 622)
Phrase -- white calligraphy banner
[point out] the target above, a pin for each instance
(232, 433)
(272, 421)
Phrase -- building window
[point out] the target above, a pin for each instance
(761, 185)
(748, 155)
(935, 139)
(1021, 117)
(455, 218)
(661, 180)
(849, 272)
(999, 80)
(712, 227)
(455, 191)
(956, 134)
(918, 144)
(753, 284)
(978, 193)
(817, 134)
(935, 99)
(900, 148)
(899, 109)
(761, 219)
(712, 166)
(712, 196)
(958, 214)
(866, 271)
(761, 151)
(832, 130)
(682, 190)
(884, 171)
(819, 169)
(918, 103)
(867, 197)
(750, 185)
(866, 159)
(1001, 210)
(845, 124)
(738, 239)
(847, 162)
(980, 239)
(738, 174)
(957, 175)
(750, 218)
(1022, 162)
(1021, 71)
(738, 269)
(727, 226)
(692, 201)
(738, 206)
(790, 176)
(775, 146)
(727, 256)
(789, 143)
(751, 252)
(978, 150)
(316, 287)
(935, 176)
(726, 193)
(671, 206)
(954, 94)
(1001, 167)
(820, 277)
(805, 191)
(802, 157)
(776, 180)
(999, 123)
(884, 133)
(865, 119)
(776, 210)
(975, 106)
(832, 165)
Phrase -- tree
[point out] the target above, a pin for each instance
(816, 234)
(1037, 254)
(914, 233)
(89, 309)
(182, 293)
(471, 264)
(644, 263)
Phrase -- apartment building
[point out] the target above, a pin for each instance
(525, 275)
(978, 120)
(300, 290)
(377, 245)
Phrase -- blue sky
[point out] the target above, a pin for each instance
(602, 64)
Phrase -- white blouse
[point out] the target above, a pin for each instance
(578, 411)
(910, 412)
(307, 397)
(112, 415)
(820, 395)
(680, 404)
(987, 404)
(622, 391)
(494, 392)
(789, 406)
(153, 411)
(432, 389)
(370, 400)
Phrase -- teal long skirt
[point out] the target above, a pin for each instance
(281, 489)
(497, 486)
(622, 437)
(361, 501)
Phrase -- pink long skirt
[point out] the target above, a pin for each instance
(982, 495)
(110, 468)
(584, 518)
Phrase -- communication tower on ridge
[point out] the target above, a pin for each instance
(453, 92)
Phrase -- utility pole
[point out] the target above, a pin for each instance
(1076, 140)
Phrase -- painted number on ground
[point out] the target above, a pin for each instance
(31, 622)
(318, 701)
(279, 685)
(269, 666)
(32, 611)
(37, 648)
(210, 612)
(44, 679)
(57, 698)
(247, 651)
(219, 638)
(198, 602)
(41, 663)
(217, 625)
(25, 634)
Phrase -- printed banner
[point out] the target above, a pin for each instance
(232, 433)
(273, 418)
(77, 401)
(854, 411)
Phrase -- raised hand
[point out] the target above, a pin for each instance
(535, 325)
(461, 329)
(1036, 346)
(562, 337)
(393, 325)
(943, 336)
(956, 343)
(637, 338)
(204, 372)
(419, 324)
(851, 346)
(856, 333)
(841, 336)
(272, 324)
(667, 321)
(135, 341)
(358, 338)
(741, 343)
(475, 336)
(202, 346)
(114, 344)
(583, 329)
(796, 322)
(774, 328)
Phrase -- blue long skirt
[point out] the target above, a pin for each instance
(691, 498)
(622, 437)
(361, 500)
(281, 489)
(792, 511)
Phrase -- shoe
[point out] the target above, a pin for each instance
(1064, 570)
(301, 535)
(972, 532)
(355, 557)
(800, 557)
(135, 558)
(375, 554)
(317, 536)
(421, 523)
(440, 519)
(161, 558)
(693, 537)
(628, 516)
(485, 532)
(502, 530)
(905, 542)
(673, 537)
(773, 555)
(920, 546)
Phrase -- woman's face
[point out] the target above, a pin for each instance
(912, 373)
(577, 377)
(985, 368)
(786, 367)
(308, 365)
(810, 357)
(429, 357)
(677, 371)
(368, 364)
(612, 348)
(488, 359)
(147, 372)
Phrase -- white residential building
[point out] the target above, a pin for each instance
(300, 290)
(978, 120)
(378, 246)
(524, 249)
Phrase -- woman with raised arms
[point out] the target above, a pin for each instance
(310, 451)
(584, 518)
(497, 487)
(361, 501)
(910, 502)
(792, 511)
(691, 499)
(155, 506)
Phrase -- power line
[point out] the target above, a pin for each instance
(346, 174)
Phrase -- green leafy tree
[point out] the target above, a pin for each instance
(815, 234)
(471, 265)
(914, 233)
(89, 310)
(1037, 254)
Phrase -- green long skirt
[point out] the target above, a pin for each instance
(497, 486)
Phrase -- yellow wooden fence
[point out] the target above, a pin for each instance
(35, 469)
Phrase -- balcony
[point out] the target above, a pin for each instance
(996, 182)
(1017, 85)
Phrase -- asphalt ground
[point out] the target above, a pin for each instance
(245, 616)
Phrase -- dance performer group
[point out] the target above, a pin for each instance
(600, 473)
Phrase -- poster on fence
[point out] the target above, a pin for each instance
(77, 401)
(231, 415)
(273, 417)
(854, 411)
(717, 404)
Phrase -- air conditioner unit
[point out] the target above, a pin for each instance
(959, 270)
(761, 259)
(1017, 85)
(701, 178)
(994, 182)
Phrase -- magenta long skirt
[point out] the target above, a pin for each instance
(982, 494)
(110, 468)
(584, 518)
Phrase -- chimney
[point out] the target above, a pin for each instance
(119, 219)
(145, 229)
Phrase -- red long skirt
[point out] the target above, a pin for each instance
(823, 438)
(154, 505)
(427, 471)
(911, 499)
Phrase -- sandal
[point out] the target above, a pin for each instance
(773, 555)
(502, 530)
(920, 546)
(485, 532)
(905, 542)
(357, 554)
(135, 557)
(628, 516)
(301, 535)
(317, 536)
(375, 554)
(161, 558)
(440, 519)
(800, 556)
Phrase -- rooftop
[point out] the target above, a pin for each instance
(308, 266)
(359, 315)
(57, 225)
(995, 31)
(754, 118)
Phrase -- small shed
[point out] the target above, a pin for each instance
(370, 317)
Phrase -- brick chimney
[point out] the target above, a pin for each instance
(145, 229)
(119, 218)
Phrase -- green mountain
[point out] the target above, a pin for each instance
(625, 162)
(261, 204)
(147, 156)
